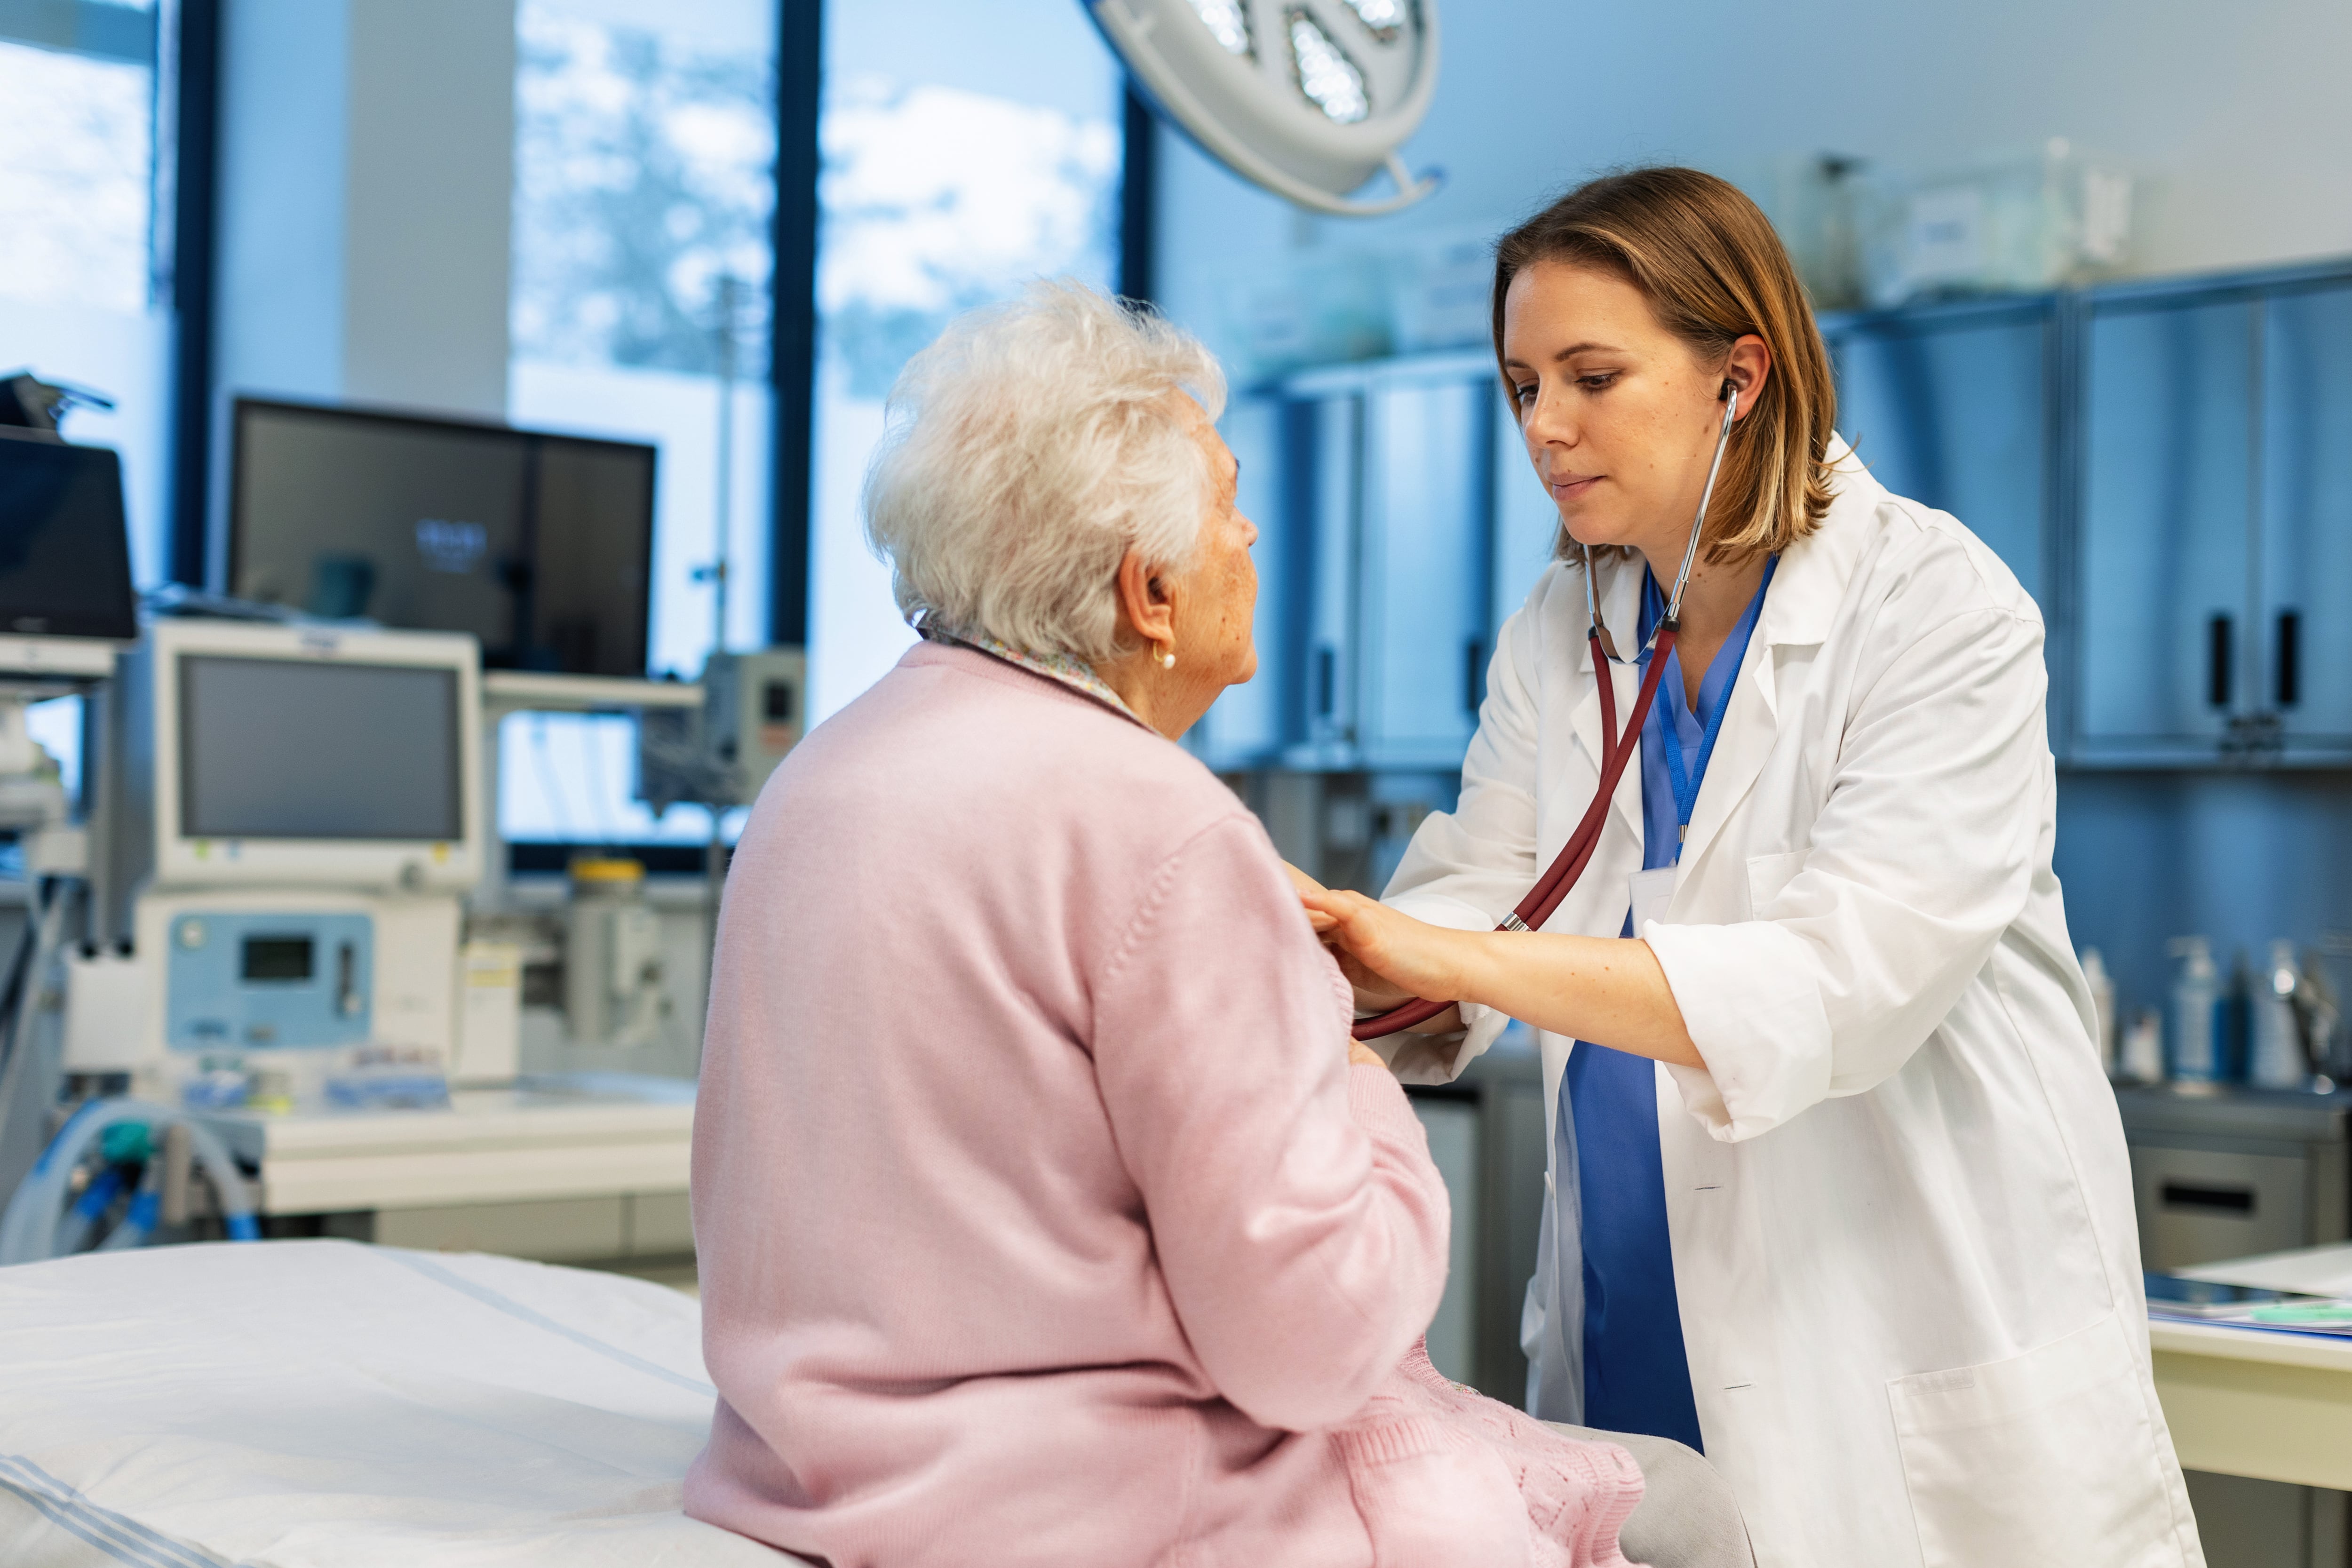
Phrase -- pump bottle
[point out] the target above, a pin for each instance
(2196, 1001)
(2277, 1056)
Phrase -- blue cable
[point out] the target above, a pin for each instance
(99, 1195)
(140, 1221)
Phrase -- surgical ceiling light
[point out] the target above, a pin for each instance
(1310, 98)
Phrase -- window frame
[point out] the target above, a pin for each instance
(792, 357)
(192, 33)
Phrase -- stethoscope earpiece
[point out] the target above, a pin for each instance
(1673, 618)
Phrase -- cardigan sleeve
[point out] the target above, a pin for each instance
(1298, 1221)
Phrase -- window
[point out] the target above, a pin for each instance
(966, 149)
(645, 193)
(645, 187)
(85, 267)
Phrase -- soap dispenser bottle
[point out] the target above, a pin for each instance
(2278, 1060)
(2196, 1039)
(2103, 1006)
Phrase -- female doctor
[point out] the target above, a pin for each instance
(1837, 1190)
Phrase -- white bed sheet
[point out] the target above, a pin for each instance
(326, 1405)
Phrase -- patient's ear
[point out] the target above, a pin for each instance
(1144, 601)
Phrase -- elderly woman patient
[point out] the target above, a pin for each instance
(1046, 1213)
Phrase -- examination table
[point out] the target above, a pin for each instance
(327, 1404)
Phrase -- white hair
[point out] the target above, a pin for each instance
(1030, 447)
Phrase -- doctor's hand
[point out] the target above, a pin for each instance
(1389, 956)
(1308, 887)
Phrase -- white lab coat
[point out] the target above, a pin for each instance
(1899, 1197)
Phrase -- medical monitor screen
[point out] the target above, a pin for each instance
(314, 749)
(64, 556)
(540, 546)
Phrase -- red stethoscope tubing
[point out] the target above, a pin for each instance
(1616, 749)
(1553, 886)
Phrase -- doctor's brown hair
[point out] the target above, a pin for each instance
(1713, 269)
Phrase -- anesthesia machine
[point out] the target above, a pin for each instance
(299, 810)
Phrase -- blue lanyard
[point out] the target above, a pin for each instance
(1686, 783)
(1686, 791)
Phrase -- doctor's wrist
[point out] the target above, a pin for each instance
(1473, 964)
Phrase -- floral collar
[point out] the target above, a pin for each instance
(1060, 668)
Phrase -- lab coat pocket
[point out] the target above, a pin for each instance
(1767, 875)
(2049, 1457)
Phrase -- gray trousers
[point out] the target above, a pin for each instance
(1686, 1518)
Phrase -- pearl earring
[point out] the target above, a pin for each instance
(1168, 658)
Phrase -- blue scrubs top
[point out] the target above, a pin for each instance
(1636, 1376)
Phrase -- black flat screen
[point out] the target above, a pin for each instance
(64, 556)
(540, 546)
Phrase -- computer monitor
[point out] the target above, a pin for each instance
(539, 546)
(66, 600)
(314, 756)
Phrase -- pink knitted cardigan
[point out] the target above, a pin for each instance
(1041, 1220)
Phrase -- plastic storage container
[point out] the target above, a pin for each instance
(2057, 215)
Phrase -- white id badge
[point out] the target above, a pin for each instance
(1653, 892)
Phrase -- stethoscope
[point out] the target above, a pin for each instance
(1618, 748)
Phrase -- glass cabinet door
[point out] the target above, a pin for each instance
(1327, 453)
(1425, 635)
(2306, 517)
(1247, 723)
(1952, 409)
(2166, 655)
(1527, 519)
